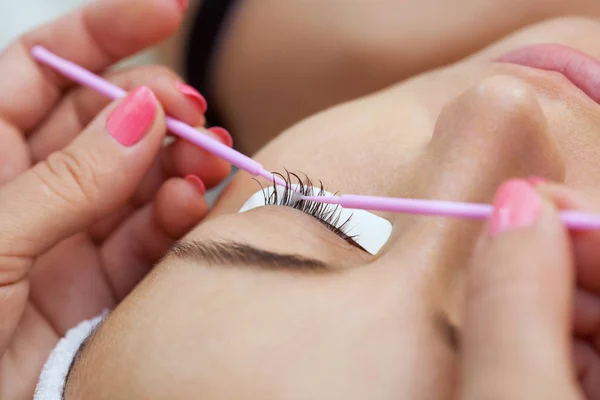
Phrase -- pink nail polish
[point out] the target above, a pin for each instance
(223, 135)
(194, 95)
(536, 180)
(517, 205)
(183, 4)
(133, 118)
(197, 183)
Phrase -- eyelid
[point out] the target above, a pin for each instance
(368, 230)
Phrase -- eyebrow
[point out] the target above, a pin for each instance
(220, 253)
(238, 254)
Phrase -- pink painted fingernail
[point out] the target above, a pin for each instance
(133, 118)
(197, 183)
(183, 4)
(194, 95)
(536, 180)
(517, 205)
(223, 135)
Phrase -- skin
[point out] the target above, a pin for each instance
(368, 327)
(307, 56)
(131, 205)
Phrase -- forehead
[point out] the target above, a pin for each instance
(265, 332)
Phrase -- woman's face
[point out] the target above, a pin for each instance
(335, 322)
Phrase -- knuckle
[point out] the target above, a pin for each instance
(149, 75)
(71, 176)
(13, 267)
(161, 70)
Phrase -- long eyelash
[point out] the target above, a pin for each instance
(326, 214)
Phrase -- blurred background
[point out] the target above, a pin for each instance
(19, 16)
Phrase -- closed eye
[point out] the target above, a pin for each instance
(360, 228)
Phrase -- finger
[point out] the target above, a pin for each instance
(182, 158)
(585, 243)
(126, 258)
(73, 188)
(145, 237)
(586, 313)
(179, 158)
(14, 154)
(73, 266)
(517, 320)
(587, 366)
(94, 36)
(81, 105)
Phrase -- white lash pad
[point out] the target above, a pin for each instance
(371, 231)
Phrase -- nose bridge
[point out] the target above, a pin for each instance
(495, 131)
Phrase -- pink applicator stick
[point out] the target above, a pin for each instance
(184, 131)
(573, 219)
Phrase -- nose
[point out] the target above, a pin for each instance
(495, 131)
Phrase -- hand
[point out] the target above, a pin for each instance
(84, 215)
(586, 315)
(517, 331)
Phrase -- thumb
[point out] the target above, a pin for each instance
(516, 334)
(72, 189)
(76, 186)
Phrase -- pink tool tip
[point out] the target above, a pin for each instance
(36, 50)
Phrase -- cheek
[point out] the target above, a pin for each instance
(577, 132)
(365, 146)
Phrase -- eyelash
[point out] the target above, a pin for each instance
(324, 213)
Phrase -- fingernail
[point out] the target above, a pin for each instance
(183, 4)
(193, 95)
(133, 118)
(536, 180)
(197, 183)
(517, 205)
(223, 135)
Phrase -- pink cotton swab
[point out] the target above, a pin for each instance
(93, 81)
(573, 219)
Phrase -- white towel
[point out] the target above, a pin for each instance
(52, 380)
